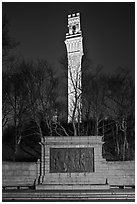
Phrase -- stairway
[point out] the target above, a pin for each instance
(69, 195)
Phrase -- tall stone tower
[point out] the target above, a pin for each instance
(74, 52)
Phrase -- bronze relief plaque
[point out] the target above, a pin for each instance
(71, 160)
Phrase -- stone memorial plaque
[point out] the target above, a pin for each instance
(71, 160)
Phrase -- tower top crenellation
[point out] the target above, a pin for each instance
(73, 25)
(73, 15)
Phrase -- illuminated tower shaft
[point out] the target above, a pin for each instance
(74, 52)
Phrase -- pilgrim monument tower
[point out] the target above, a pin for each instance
(74, 47)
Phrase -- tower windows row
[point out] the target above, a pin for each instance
(74, 46)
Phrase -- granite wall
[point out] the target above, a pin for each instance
(121, 173)
(19, 174)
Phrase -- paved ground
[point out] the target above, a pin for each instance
(124, 195)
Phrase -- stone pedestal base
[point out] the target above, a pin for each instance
(69, 163)
(72, 187)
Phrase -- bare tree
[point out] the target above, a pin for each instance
(120, 100)
(94, 90)
(14, 101)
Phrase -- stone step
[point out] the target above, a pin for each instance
(68, 195)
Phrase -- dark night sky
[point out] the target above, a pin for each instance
(108, 31)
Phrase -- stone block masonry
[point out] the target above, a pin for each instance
(17, 174)
(121, 173)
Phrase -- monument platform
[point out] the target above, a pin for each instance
(72, 163)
